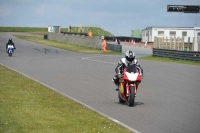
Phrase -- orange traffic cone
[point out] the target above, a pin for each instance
(116, 41)
(124, 42)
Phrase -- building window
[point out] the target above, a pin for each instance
(150, 33)
(172, 33)
(198, 34)
(184, 33)
(147, 33)
(160, 33)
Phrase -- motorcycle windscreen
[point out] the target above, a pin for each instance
(131, 68)
(131, 73)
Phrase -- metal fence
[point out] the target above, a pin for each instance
(114, 47)
(177, 54)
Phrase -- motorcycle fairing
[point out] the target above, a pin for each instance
(10, 48)
(131, 76)
(121, 87)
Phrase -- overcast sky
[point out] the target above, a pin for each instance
(116, 16)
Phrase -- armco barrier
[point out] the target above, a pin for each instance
(114, 47)
(177, 54)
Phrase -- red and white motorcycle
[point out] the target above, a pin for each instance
(128, 85)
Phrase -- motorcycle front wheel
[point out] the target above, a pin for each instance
(131, 97)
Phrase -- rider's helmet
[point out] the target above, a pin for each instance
(130, 56)
(10, 40)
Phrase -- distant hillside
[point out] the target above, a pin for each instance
(95, 30)
(23, 29)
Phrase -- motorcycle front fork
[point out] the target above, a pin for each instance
(128, 89)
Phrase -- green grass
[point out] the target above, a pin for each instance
(29, 107)
(95, 31)
(161, 59)
(41, 30)
(35, 30)
(65, 46)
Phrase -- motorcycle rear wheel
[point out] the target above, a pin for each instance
(131, 97)
(9, 54)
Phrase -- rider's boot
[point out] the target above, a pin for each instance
(117, 88)
(117, 85)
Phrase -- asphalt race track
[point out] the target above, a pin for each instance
(168, 99)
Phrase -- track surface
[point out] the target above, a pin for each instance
(168, 99)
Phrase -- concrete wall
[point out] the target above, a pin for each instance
(81, 40)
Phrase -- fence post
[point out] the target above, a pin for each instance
(193, 44)
(188, 46)
(163, 43)
(199, 43)
(183, 43)
(174, 42)
(170, 43)
(159, 42)
(178, 41)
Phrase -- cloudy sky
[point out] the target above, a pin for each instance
(117, 16)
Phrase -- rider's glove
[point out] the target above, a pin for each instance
(120, 75)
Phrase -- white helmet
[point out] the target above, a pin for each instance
(130, 56)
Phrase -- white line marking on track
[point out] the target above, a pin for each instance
(131, 129)
(89, 58)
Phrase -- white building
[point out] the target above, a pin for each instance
(55, 29)
(149, 33)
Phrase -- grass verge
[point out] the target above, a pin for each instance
(96, 31)
(161, 59)
(65, 46)
(29, 107)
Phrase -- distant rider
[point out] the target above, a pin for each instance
(123, 63)
(10, 41)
